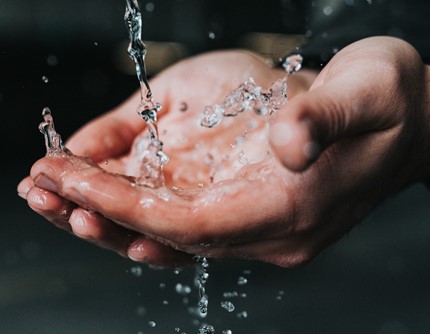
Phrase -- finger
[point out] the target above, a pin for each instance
(152, 252)
(93, 227)
(328, 113)
(24, 187)
(228, 211)
(52, 207)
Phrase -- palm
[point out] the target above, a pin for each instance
(199, 155)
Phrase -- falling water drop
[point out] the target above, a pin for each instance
(228, 306)
(242, 280)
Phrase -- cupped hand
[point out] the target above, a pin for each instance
(359, 135)
(198, 165)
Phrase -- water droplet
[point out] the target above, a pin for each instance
(141, 311)
(211, 35)
(45, 79)
(149, 7)
(229, 306)
(177, 329)
(327, 11)
(136, 271)
(165, 302)
(177, 271)
(162, 285)
(182, 289)
(242, 280)
(212, 116)
(203, 306)
(227, 331)
(230, 294)
(278, 93)
(243, 160)
(292, 63)
(207, 329)
(183, 107)
(52, 60)
(96, 44)
(247, 272)
(242, 315)
(152, 324)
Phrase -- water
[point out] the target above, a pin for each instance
(152, 157)
(228, 306)
(250, 96)
(53, 142)
(201, 278)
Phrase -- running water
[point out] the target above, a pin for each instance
(152, 157)
(53, 142)
(150, 148)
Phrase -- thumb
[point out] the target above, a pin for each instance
(312, 121)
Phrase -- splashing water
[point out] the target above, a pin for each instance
(207, 329)
(151, 148)
(228, 306)
(53, 142)
(201, 279)
(250, 96)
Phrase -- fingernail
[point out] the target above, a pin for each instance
(280, 134)
(45, 182)
(22, 195)
(136, 251)
(23, 189)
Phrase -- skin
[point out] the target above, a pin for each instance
(349, 137)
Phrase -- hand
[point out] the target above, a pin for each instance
(265, 211)
(190, 84)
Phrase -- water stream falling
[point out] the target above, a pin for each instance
(152, 156)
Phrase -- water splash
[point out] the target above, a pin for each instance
(250, 96)
(242, 280)
(53, 142)
(228, 306)
(207, 329)
(152, 156)
(201, 279)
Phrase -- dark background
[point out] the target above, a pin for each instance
(375, 280)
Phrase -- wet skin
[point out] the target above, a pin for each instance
(350, 137)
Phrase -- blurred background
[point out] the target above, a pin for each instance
(71, 56)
